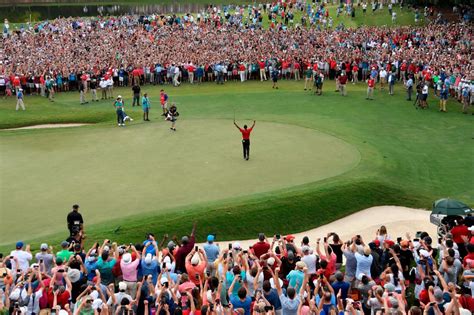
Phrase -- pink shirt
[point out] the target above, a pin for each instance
(129, 271)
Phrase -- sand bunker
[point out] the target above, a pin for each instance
(45, 126)
(398, 220)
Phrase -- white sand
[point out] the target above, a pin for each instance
(44, 126)
(398, 221)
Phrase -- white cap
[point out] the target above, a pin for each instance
(148, 258)
(126, 258)
(120, 96)
(271, 261)
(195, 260)
(122, 286)
(236, 245)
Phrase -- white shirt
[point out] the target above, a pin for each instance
(310, 261)
(23, 259)
(425, 89)
(383, 73)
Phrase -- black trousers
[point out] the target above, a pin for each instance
(246, 148)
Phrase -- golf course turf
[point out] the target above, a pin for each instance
(317, 158)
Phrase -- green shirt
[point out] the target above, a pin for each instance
(64, 255)
(309, 73)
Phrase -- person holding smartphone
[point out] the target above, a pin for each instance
(261, 247)
(196, 262)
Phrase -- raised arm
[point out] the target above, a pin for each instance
(237, 126)
(253, 125)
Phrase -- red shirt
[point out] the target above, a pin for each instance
(458, 231)
(260, 248)
(246, 133)
(371, 83)
(343, 79)
(261, 65)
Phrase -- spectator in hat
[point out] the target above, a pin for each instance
(261, 247)
(45, 259)
(212, 253)
(120, 295)
(90, 263)
(295, 277)
(20, 258)
(150, 264)
(196, 263)
(187, 245)
(310, 261)
(129, 268)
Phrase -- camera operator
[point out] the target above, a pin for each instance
(75, 223)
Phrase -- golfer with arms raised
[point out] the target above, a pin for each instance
(245, 138)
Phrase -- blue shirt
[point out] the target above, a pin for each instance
(288, 306)
(296, 279)
(273, 299)
(237, 303)
(151, 269)
(145, 104)
(91, 267)
(343, 286)
(212, 252)
(19, 95)
(150, 249)
(230, 277)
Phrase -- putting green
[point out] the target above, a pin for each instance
(115, 172)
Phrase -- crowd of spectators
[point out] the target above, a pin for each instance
(281, 275)
(68, 53)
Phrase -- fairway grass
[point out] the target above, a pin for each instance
(408, 157)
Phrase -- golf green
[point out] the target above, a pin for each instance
(114, 172)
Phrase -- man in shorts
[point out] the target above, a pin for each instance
(145, 106)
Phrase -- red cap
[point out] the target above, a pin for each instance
(377, 243)
(289, 237)
(390, 243)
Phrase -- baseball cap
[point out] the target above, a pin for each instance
(289, 237)
(389, 287)
(19, 244)
(44, 246)
(271, 261)
(148, 258)
(210, 238)
(305, 249)
(127, 258)
(64, 244)
(122, 286)
(74, 275)
(195, 260)
(261, 237)
(236, 245)
(120, 96)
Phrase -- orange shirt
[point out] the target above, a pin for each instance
(195, 271)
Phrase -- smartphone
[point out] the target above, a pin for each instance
(358, 235)
(399, 239)
(246, 252)
(230, 246)
(277, 236)
(325, 239)
(196, 248)
(163, 266)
